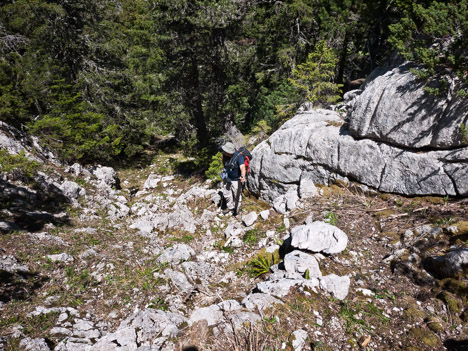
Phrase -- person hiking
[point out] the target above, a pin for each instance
(234, 164)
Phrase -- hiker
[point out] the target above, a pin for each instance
(234, 164)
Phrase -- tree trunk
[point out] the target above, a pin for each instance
(197, 106)
(343, 57)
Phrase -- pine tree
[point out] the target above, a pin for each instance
(315, 76)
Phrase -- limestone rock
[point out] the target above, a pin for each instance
(122, 339)
(449, 265)
(337, 286)
(299, 262)
(179, 280)
(198, 270)
(147, 327)
(319, 237)
(307, 188)
(152, 181)
(281, 287)
(250, 218)
(229, 305)
(7, 227)
(44, 236)
(15, 141)
(63, 257)
(312, 148)
(106, 176)
(299, 339)
(395, 108)
(72, 190)
(78, 170)
(233, 229)
(182, 218)
(239, 319)
(212, 314)
(11, 265)
(144, 225)
(259, 301)
(176, 254)
(29, 344)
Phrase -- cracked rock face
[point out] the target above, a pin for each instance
(312, 147)
(395, 108)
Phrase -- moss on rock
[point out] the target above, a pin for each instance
(435, 324)
(450, 300)
(425, 336)
(458, 287)
(414, 314)
(462, 227)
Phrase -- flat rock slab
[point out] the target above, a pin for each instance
(259, 301)
(144, 327)
(281, 287)
(337, 286)
(212, 314)
(319, 237)
(250, 218)
(176, 254)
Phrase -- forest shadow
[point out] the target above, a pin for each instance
(456, 345)
(19, 286)
(31, 209)
(190, 168)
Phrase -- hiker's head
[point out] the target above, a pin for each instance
(228, 148)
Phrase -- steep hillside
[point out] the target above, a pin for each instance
(142, 259)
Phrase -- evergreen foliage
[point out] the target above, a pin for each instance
(315, 77)
(435, 34)
(215, 168)
(98, 79)
(18, 165)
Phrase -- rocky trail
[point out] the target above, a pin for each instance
(141, 259)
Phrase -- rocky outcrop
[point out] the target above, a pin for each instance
(15, 141)
(447, 266)
(379, 147)
(300, 267)
(396, 109)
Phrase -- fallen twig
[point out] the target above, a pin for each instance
(407, 213)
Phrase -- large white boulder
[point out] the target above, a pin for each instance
(319, 237)
(316, 148)
(396, 109)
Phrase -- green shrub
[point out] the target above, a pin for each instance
(252, 237)
(215, 168)
(261, 263)
(18, 165)
(331, 218)
(464, 133)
